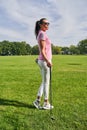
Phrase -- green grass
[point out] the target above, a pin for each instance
(19, 81)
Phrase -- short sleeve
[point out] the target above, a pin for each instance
(42, 36)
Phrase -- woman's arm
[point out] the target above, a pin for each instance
(42, 47)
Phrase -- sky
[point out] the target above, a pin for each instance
(68, 20)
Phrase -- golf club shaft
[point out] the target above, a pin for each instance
(50, 89)
(51, 113)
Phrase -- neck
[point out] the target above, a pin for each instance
(43, 30)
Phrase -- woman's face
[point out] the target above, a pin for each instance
(45, 25)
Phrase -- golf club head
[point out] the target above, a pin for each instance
(52, 118)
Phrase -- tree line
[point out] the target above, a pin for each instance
(23, 48)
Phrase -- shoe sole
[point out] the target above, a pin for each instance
(45, 108)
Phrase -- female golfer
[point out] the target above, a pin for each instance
(44, 62)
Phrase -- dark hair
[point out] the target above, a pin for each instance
(37, 26)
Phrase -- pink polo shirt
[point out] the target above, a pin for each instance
(43, 36)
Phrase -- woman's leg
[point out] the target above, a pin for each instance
(46, 82)
(41, 88)
(44, 87)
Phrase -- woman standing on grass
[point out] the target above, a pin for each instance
(44, 62)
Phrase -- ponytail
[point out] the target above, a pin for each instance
(37, 26)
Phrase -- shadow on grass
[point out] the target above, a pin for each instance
(7, 102)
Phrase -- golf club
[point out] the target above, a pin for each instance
(51, 113)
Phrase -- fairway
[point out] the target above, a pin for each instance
(19, 81)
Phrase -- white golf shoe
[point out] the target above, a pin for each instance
(47, 106)
(37, 104)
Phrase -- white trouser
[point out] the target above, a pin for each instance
(45, 72)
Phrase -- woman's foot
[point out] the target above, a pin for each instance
(47, 106)
(36, 104)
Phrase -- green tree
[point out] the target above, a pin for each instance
(28, 49)
(74, 50)
(14, 48)
(0, 48)
(82, 46)
(35, 50)
(56, 49)
(5, 48)
(20, 48)
(65, 50)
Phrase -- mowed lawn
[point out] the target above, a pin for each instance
(19, 81)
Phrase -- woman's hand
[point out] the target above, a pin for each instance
(49, 64)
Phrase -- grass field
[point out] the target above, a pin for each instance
(19, 81)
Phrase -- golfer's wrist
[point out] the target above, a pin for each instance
(48, 62)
